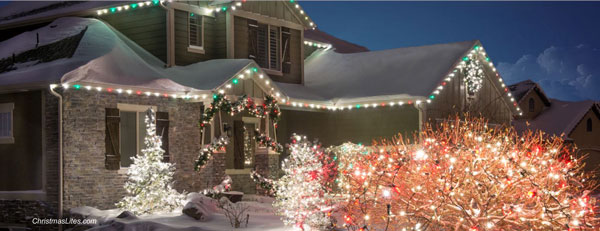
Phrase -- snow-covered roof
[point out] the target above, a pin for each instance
(560, 118)
(339, 45)
(521, 89)
(23, 11)
(411, 72)
(104, 56)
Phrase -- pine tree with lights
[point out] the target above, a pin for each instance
(149, 179)
(303, 194)
(464, 175)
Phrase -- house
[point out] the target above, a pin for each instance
(75, 78)
(577, 122)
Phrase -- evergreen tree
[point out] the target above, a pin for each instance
(150, 180)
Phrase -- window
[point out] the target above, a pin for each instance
(589, 125)
(531, 105)
(132, 130)
(268, 46)
(196, 32)
(6, 123)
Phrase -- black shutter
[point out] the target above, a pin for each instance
(162, 130)
(252, 39)
(238, 144)
(285, 53)
(113, 156)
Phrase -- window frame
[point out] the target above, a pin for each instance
(531, 105)
(137, 109)
(269, 70)
(4, 108)
(192, 47)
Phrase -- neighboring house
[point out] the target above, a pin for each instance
(76, 77)
(576, 122)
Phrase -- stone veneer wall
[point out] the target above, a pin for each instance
(22, 211)
(88, 182)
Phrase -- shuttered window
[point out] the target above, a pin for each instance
(6, 123)
(195, 29)
(162, 130)
(112, 141)
(126, 131)
(285, 50)
(265, 45)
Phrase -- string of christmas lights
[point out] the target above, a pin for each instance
(464, 175)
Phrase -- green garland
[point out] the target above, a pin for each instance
(221, 103)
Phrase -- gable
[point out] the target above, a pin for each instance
(288, 11)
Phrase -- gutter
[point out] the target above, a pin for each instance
(60, 154)
(170, 35)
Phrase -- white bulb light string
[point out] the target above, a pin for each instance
(262, 79)
(235, 5)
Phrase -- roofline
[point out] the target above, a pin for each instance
(538, 90)
(15, 88)
(49, 18)
(594, 106)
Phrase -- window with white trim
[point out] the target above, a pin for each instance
(133, 131)
(6, 123)
(196, 31)
(268, 45)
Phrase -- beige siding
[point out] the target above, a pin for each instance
(212, 34)
(588, 143)
(147, 27)
(538, 105)
(490, 102)
(275, 9)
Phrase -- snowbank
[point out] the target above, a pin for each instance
(261, 213)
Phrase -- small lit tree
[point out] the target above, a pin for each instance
(149, 179)
(303, 194)
(465, 176)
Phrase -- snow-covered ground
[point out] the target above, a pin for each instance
(262, 218)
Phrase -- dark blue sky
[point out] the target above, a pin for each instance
(553, 43)
(556, 44)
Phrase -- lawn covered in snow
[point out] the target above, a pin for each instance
(262, 218)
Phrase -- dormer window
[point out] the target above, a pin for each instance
(268, 46)
(531, 105)
(196, 33)
(589, 125)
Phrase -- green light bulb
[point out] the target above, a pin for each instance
(113, 9)
(77, 86)
(432, 96)
(487, 59)
(133, 6)
(192, 14)
(255, 69)
(476, 47)
(235, 81)
(224, 8)
(215, 96)
(155, 2)
(358, 106)
(465, 58)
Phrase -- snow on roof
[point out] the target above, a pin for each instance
(560, 118)
(339, 45)
(58, 30)
(104, 56)
(520, 89)
(408, 72)
(21, 11)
